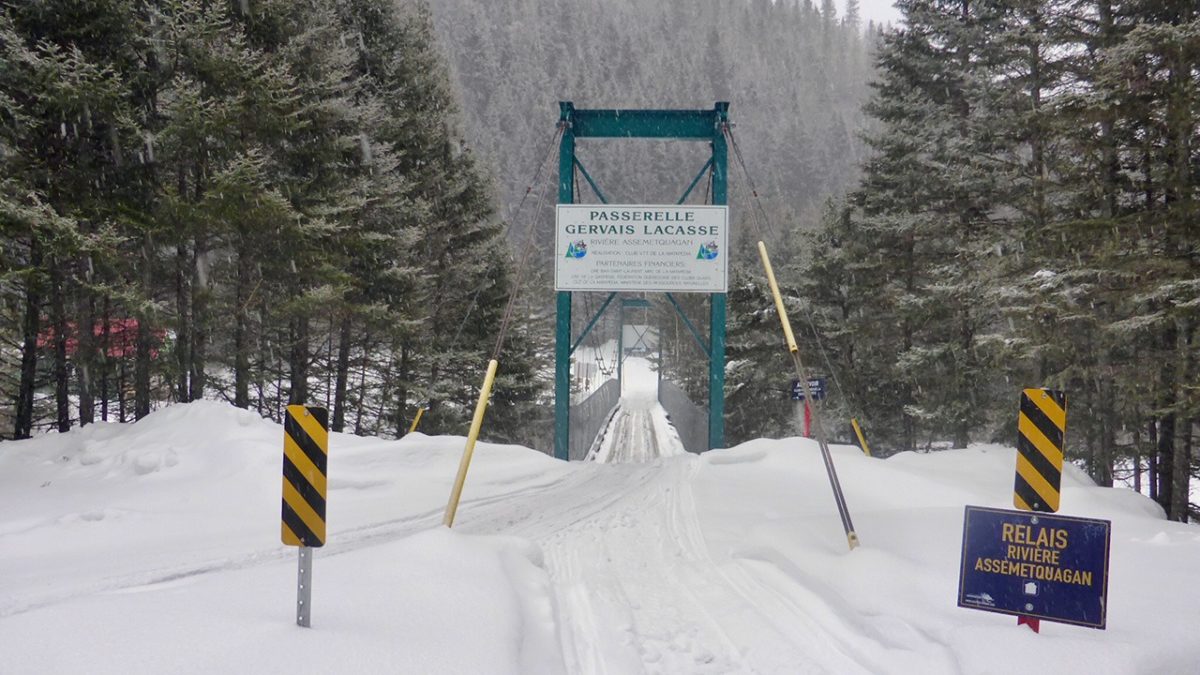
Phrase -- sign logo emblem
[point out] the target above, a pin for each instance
(707, 251)
(982, 599)
(577, 250)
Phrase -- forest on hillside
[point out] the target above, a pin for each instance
(795, 72)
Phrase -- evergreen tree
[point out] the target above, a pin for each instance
(68, 116)
(1035, 161)
(288, 166)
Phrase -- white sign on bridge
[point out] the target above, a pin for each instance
(605, 247)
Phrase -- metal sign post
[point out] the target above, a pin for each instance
(1041, 434)
(304, 588)
(794, 349)
(305, 465)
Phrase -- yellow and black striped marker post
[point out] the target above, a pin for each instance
(305, 462)
(305, 455)
(1041, 426)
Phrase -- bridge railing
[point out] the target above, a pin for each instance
(590, 415)
(689, 419)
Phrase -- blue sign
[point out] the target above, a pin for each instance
(1038, 565)
(815, 384)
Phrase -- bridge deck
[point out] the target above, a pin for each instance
(639, 430)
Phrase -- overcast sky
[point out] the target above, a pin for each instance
(877, 10)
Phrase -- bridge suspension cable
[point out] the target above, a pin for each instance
(513, 215)
(761, 214)
(506, 321)
(494, 364)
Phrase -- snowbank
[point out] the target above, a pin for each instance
(154, 547)
(890, 604)
(434, 602)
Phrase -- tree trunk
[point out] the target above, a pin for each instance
(298, 361)
(329, 367)
(105, 357)
(343, 375)
(1166, 462)
(183, 335)
(241, 328)
(1089, 430)
(1108, 432)
(1108, 140)
(402, 393)
(85, 357)
(361, 394)
(58, 319)
(1037, 140)
(141, 373)
(1181, 469)
(122, 379)
(384, 395)
(1152, 460)
(278, 413)
(23, 426)
(201, 291)
(262, 344)
(962, 425)
(1181, 105)
(1137, 459)
(909, 425)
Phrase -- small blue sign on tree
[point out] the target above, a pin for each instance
(1033, 564)
(815, 384)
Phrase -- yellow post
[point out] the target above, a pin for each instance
(476, 425)
(862, 440)
(417, 419)
(783, 317)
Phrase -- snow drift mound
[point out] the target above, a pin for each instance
(183, 439)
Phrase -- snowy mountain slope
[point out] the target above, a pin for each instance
(154, 548)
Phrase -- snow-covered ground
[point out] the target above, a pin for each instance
(154, 548)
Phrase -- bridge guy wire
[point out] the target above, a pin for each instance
(513, 215)
(506, 320)
(765, 228)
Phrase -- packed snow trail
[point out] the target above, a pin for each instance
(636, 586)
(638, 589)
